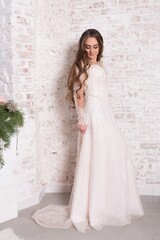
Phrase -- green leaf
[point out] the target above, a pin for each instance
(9, 124)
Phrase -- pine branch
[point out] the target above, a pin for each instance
(10, 120)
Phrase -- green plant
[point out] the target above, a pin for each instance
(10, 120)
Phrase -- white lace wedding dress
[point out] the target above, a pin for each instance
(104, 191)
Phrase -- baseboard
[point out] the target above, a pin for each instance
(58, 188)
(143, 189)
(31, 201)
(149, 189)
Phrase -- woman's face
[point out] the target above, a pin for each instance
(92, 48)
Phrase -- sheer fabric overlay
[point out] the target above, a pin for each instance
(104, 190)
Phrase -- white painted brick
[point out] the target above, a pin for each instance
(6, 89)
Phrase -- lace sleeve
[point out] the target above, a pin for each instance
(80, 111)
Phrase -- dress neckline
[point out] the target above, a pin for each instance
(98, 63)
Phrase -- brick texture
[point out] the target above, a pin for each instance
(23, 46)
(6, 88)
(131, 33)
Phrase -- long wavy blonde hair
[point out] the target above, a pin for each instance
(81, 64)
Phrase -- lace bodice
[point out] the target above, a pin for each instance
(96, 86)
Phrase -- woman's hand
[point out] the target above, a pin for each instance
(82, 128)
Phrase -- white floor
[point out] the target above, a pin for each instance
(146, 228)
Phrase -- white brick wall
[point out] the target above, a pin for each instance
(6, 88)
(23, 45)
(52, 53)
(130, 30)
(44, 38)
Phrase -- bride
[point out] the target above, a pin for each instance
(104, 190)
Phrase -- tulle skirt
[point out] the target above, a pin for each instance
(104, 191)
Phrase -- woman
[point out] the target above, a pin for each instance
(104, 190)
